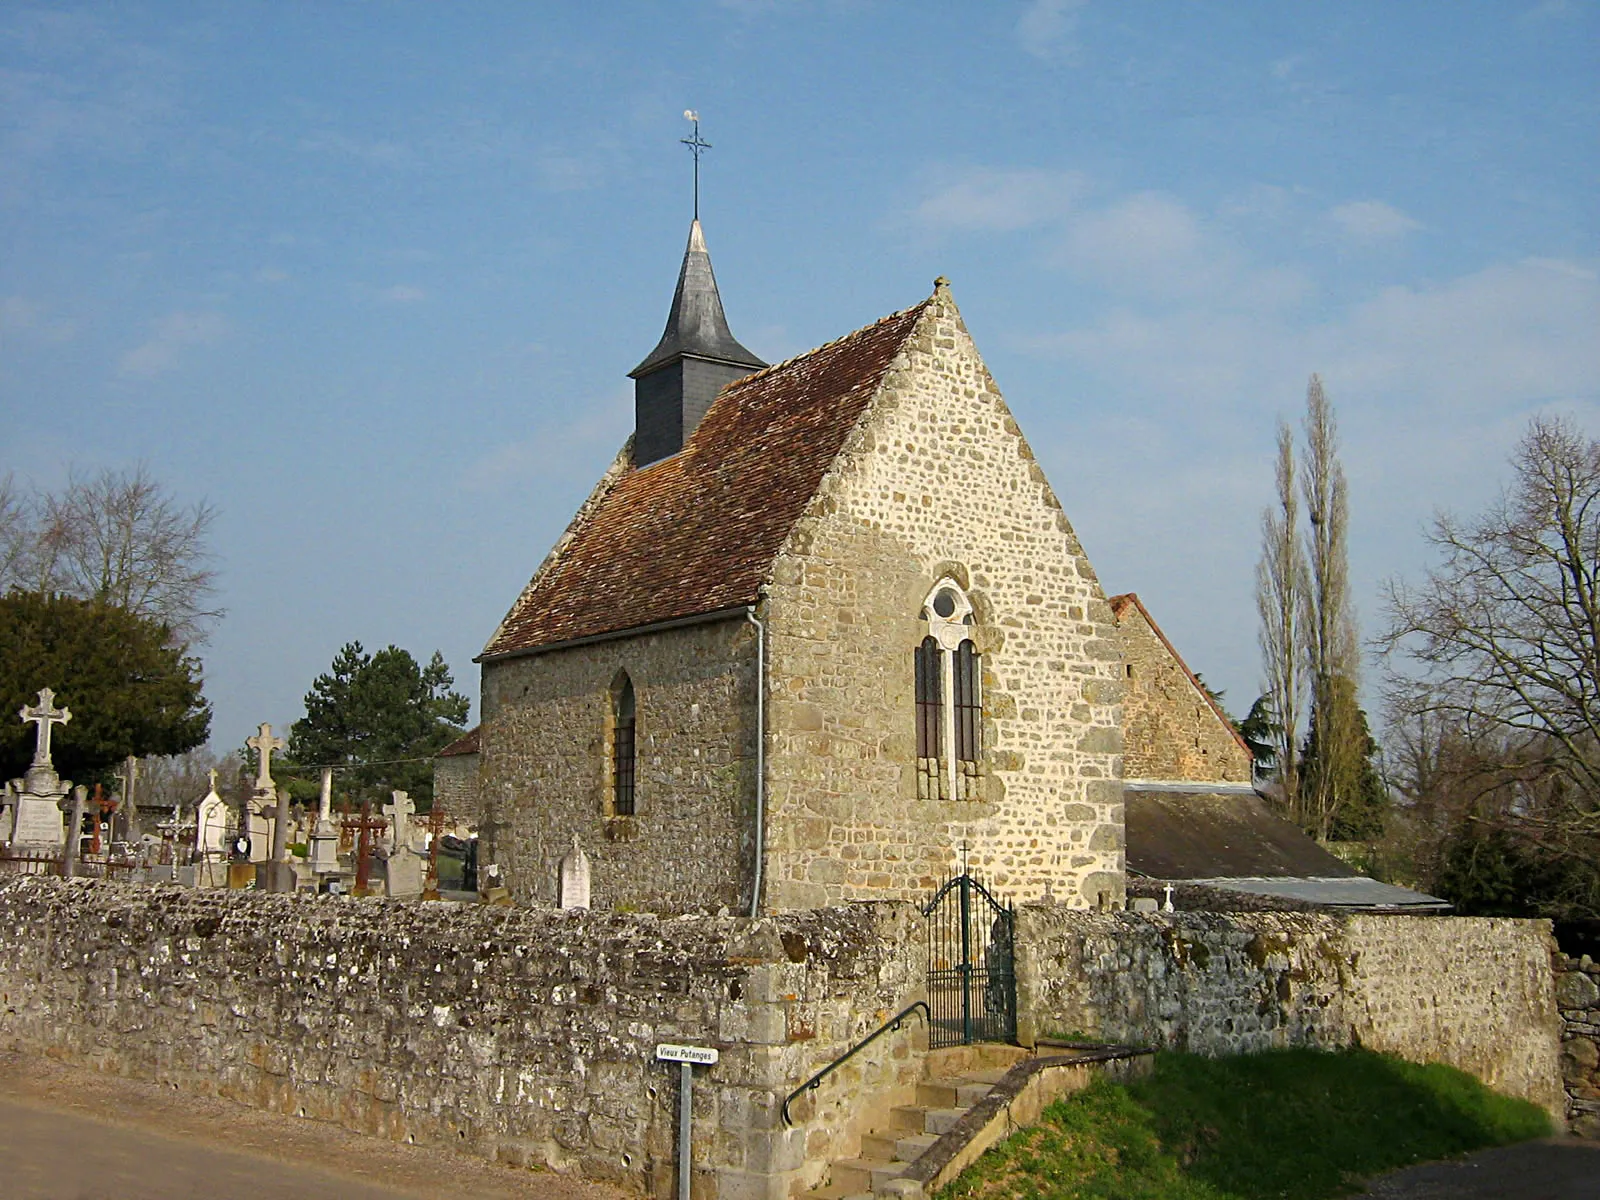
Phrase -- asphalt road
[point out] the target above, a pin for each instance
(69, 1134)
(1553, 1169)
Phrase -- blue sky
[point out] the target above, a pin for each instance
(369, 277)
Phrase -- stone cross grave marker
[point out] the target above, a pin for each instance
(398, 811)
(575, 877)
(44, 715)
(263, 743)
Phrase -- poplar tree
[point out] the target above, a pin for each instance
(1330, 647)
(1280, 584)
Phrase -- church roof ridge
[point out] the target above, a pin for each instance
(697, 532)
(844, 337)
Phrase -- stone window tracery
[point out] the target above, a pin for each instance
(949, 702)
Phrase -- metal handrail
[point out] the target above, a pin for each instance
(889, 1026)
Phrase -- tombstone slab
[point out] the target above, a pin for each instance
(38, 822)
(575, 877)
(402, 876)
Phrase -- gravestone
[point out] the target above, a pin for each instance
(36, 808)
(574, 891)
(322, 854)
(398, 811)
(402, 876)
(211, 824)
(277, 873)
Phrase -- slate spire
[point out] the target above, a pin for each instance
(695, 358)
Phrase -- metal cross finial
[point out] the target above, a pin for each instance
(696, 145)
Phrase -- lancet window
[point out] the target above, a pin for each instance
(624, 722)
(948, 698)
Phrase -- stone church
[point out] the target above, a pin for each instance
(821, 632)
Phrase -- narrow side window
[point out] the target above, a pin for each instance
(928, 699)
(622, 751)
(969, 706)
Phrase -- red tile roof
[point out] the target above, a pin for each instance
(697, 532)
(467, 743)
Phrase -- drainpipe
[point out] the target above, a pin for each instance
(761, 755)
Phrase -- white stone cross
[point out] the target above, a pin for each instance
(213, 774)
(44, 716)
(263, 743)
(399, 812)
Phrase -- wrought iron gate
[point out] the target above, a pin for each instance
(972, 980)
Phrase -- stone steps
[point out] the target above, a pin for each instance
(957, 1080)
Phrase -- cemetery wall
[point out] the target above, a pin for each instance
(548, 721)
(938, 480)
(1578, 997)
(1474, 992)
(523, 1034)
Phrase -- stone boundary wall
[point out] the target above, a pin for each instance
(516, 1033)
(1474, 992)
(1578, 997)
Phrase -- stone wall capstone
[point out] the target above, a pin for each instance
(522, 1034)
(1474, 992)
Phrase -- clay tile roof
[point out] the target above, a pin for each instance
(467, 743)
(697, 533)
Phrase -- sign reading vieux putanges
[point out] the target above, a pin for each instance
(703, 1055)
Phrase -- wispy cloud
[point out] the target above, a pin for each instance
(986, 198)
(1048, 29)
(377, 152)
(1370, 222)
(403, 293)
(22, 318)
(171, 335)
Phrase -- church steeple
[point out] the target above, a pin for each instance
(696, 357)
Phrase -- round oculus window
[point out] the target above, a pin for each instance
(945, 603)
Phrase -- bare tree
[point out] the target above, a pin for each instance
(1331, 649)
(118, 537)
(1280, 582)
(1504, 635)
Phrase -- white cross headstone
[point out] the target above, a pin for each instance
(399, 812)
(575, 877)
(263, 743)
(44, 715)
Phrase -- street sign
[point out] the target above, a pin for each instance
(700, 1055)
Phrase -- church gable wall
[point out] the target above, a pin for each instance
(938, 480)
(547, 768)
(1170, 730)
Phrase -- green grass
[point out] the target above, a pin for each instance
(1291, 1124)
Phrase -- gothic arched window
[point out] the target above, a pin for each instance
(623, 756)
(948, 698)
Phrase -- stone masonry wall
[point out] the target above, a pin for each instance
(1169, 729)
(937, 480)
(547, 773)
(455, 787)
(1476, 993)
(522, 1034)
(1578, 997)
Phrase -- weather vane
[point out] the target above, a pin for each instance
(696, 145)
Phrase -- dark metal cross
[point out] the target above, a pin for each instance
(697, 145)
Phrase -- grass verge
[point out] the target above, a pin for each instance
(1289, 1124)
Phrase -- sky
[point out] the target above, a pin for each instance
(369, 278)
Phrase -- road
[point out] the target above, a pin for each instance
(71, 1134)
